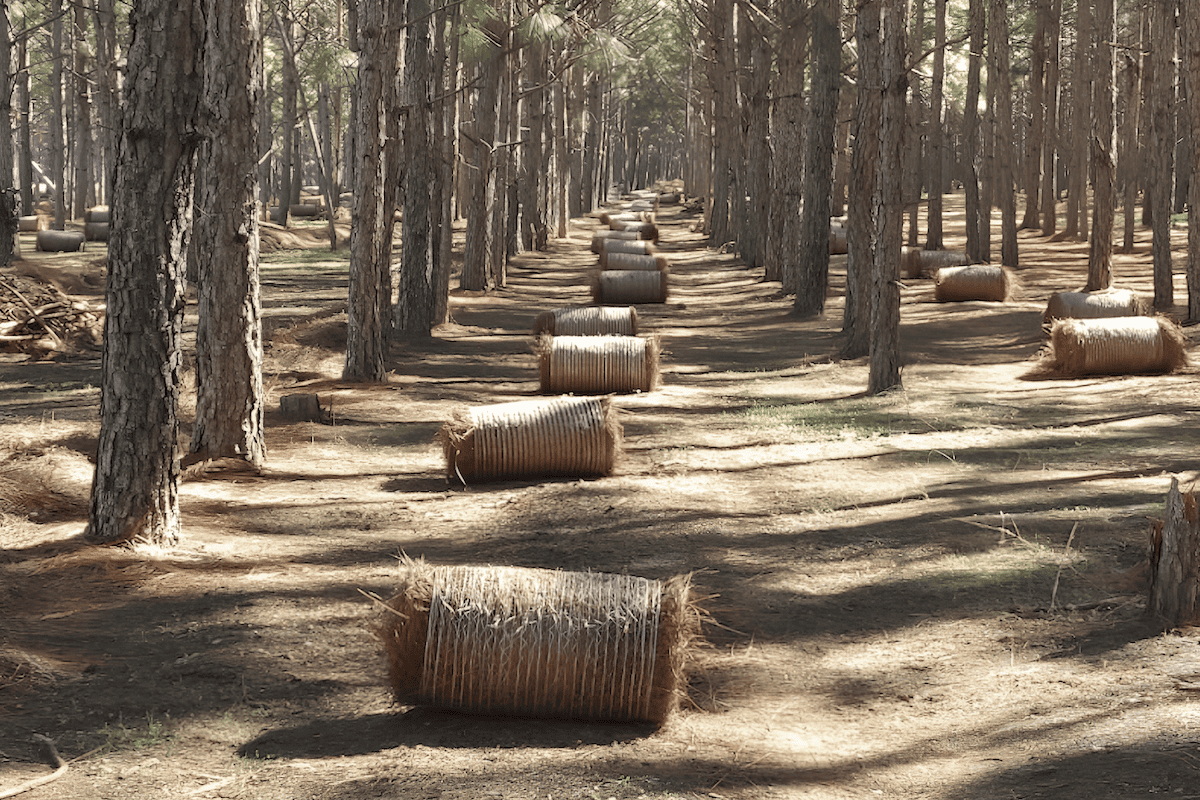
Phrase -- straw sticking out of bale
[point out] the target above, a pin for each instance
(563, 437)
(60, 241)
(1116, 345)
(1094, 305)
(537, 642)
(598, 364)
(636, 261)
(977, 282)
(620, 287)
(588, 321)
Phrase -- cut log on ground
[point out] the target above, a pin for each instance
(1175, 562)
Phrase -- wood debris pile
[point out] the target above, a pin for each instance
(39, 319)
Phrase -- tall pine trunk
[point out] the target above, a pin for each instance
(1104, 201)
(1000, 73)
(1190, 68)
(1049, 191)
(1162, 146)
(978, 215)
(787, 157)
(933, 222)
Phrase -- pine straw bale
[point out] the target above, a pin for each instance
(598, 364)
(607, 218)
(95, 231)
(920, 263)
(588, 321)
(838, 245)
(538, 642)
(1116, 345)
(600, 237)
(51, 241)
(641, 246)
(644, 230)
(574, 437)
(32, 223)
(974, 282)
(97, 214)
(638, 261)
(624, 286)
(1094, 305)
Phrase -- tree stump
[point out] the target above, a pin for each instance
(1174, 560)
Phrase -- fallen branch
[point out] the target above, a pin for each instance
(55, 759)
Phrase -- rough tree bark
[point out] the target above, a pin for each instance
(1000, 72)
(933, 223)
(1049, 191)
(1129, 156)
(58, 148)
(812, 275)
(135, 490)
(1104, 199)
(1174, 597)
(1077, 166)
(1037, 116)
(229, 350)
(978, 216)
(82, 155)
(787, 158)
(1162, 146)
(1191, 70)
(8, 193)
(884, 370)
(373, 215)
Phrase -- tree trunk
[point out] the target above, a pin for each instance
(414, 312)
(978, 216)
(758, 145)
(229, 351)
(787, 158)
(1037, 116)
(724, 87)
(1049, 190)
(24, 134)
(1162, 146)
(1129, 158)
(887, 202)
(108, 99)
(477, 272)
(534, 229)
(373, 214)
(58, 148)
(83, 116)
(915, 134)
(1190, 68)
(1174, 597)
(860, 229)
(1104, 200)
(1081, 117)
(289, 166)
(1000, 72)
(933, 222)
(8, 193)
(813, 273)
(446, 110)
(135, 491)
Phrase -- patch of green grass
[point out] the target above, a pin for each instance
(135, 737)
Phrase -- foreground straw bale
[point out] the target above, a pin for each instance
(976, 282)
(565, 437)
(1094, 305)
(598, 364)
(588, 321)
(625, 286)
(537, 642)
(1114, 346)
(53, 241)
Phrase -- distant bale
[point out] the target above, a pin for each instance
(588, 321)
(1116, 345)
(60, 241)
(97, 214)
(95, 231)
(599, 238)
(537, 642)
(640, 246)
(598, 364)
(975, 282)
(608, 218)
(571, 437)
(630, 286)
(1094, 305)
(838, 244)
(644, 230)
(32, 223)
(918, 263)
(637, 261)
(306, 210)
(669, 199)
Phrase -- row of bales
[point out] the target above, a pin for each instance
(49, 240)
(544, 642)
(1104, 332)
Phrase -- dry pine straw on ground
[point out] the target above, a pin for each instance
(931, 594)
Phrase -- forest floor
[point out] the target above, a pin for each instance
(936, 593)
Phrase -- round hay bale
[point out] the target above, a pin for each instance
(1116, 345)
(608, 218)
(306, 210)
(669, 199)
(32, 223)
(626, 286)
(1094, 305)
(96, 214)
(644, 230)
(574, 437)
(920, 263)
(538, 642)
(588, 321)
(60, 241)
(837, 242)
(95, 231)
(975, 282)
(640, 246)
(597, 364)
(599, 238)
(638, 261)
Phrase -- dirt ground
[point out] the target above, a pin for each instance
(938, 593)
